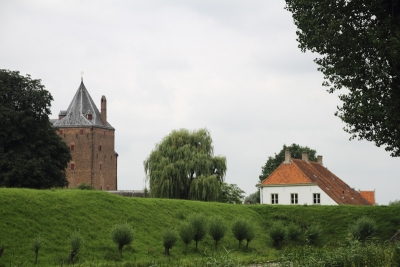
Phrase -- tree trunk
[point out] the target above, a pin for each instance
(71, 256)
(247, 244)
(36, 255)
(1, 251)
(196, 245)
(120, 250)
(216, 244)
(240, 241)
(166, 251)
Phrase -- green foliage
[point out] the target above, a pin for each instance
(75, 240)
(32, 155)
(253, 198)
(85, 186)
(186, 233)
(1, 248)
(250, 234)
(183, 166)
(293, 232)
(313, 233)
(241, 230)
(231, 193)
(394, 203)
(169, 237)
(277, 232)
(199, 224)
(217, 229)
(363, 228)
(122, 234)
(274, 162)
(369, 68)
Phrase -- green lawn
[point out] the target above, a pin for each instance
(54, 214)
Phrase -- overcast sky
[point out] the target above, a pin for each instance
(230, 66)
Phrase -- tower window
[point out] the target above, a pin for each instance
(100, 166)
(72, 166)
(99, 147)
(72, 147)
(81, 131)
(61, 132)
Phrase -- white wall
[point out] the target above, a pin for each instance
(305, 194)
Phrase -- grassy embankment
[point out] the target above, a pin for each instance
(54, 214)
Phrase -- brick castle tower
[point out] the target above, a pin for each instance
(91, 141)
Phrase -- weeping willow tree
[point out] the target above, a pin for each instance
(183, 166)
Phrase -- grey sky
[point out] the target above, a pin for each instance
(230, 66)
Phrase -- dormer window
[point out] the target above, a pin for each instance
(89, 117)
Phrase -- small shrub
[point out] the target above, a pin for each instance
(122, 235)
(75, 240)
(85, 186)
(217, 229)
(240, 229)
(363, 228)
(250, 234)
(170, 237)
(277, 232)
(293, 232)
(199, 225)
(313, 233)
(36, 244)
(186, 232)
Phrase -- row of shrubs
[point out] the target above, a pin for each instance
(363, 229)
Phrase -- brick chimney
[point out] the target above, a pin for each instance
(288, 156)
(319, 159)
(104, 110)
(304, 156)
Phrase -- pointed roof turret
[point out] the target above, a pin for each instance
(81, 112)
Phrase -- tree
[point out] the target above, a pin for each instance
(198, 223)
(253, 198)
(358, 42)
(75, 240)
(217, 229)
(363, 228)
(35, 245)
(274, 162)
(231, 193)
(170, 237)
(122, 235)
(186, 232)
(183, 166)
(241, 229)
(32, 155)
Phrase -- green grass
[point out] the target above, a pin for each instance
(54, 214)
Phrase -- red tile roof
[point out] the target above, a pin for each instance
(369, 196)
(303, 172)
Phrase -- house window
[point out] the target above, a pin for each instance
(294, 198)
(274, 198)
(72, 166)
(317, 198)
(72, 147)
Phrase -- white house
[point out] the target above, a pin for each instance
(298, 181)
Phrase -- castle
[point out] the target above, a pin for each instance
(91, 141)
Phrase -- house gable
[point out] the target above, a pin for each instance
(286, 173)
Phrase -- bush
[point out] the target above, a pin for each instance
(253, 198)
(277, 232)
(199, 225)
(170, 237)
(85, 186)
(75, 240)
(250, 234)
(240, 230)
(313, 233)
(217, 229)
(36, 244)
(363, 229)
(394, 203)
(186, 232)
(122, 235)
(1, 248)
(293, 232)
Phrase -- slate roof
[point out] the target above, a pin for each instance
(306, 172)
(76, 114)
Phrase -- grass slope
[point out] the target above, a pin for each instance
(54, 214)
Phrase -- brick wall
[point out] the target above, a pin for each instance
(93, 157)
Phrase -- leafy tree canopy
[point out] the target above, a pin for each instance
(274, 162)
(32, 155)
(358, 42)
(183, 166)
(231, 193)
